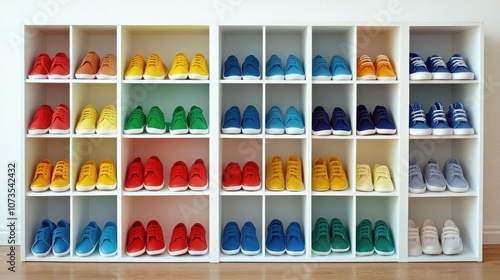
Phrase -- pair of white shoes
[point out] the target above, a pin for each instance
(427, 241)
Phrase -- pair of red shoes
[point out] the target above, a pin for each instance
(179, 240)
(150, 240)
(150, 177)
(45, 120)
(180, 181)
(57, 68)
(234, 179)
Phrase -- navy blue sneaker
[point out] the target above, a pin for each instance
(43, 239)
(339, 69)
(232, 121)
(437, 67)
(340, 122)
(365, 125)
(418, 122)
(294, 69)
(436, 118)
(457, 119)
(108, 242)
(230, 244)
(274, 68)
(89, 240)
(275, 240)
(250, 68)
(232, 69)
(274, 121)
(249, 242)
(383, 121)
(418, 70)
(250, 124)
(60, 239)
(321, 122)
(294, 122)
(459, 69)
(295, 244)
(320, 70)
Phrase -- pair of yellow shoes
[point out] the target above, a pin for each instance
(89, 124)
(381, 182)
(154, 69)
(380, 70)
(277, 179)
(332, 177)
(103, 178)
(57, 178)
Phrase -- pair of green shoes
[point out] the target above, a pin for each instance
(377, 239)
(328, 238)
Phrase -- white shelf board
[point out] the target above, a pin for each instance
(446, 193)
(165, 192)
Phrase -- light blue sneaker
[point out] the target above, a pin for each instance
(43, 239)
(320, 70)
(455, 180)
(232, 69)
(295, 244)
(61, 239)
(457, 119)
(232, 121)
(294, 69)
(275, 240)
(339, 69)
(459, 69)
(274, 68)
(437, 67)
(108, 241)
(230, 243)
(437, 120)
(274, 121)
(294, 122)
(89, 240)
(251, 68)
(418, 70)
(416, 182)
(418, 122)
(434, 178)
(250, 123)
(249, 242)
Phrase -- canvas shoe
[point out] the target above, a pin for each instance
(365, 68)
(180, 67)
(437, 120)
(275, 240)
(107, 121)
(178, 177)
(89, 240)
(294, 174)
(179, 241)
(251, 176)
(337, 175)
(232, 70)
(382, 179)
(459, 69)
(196, 121)
(294, 122)
(339, 237)
(136, 122)
(88, 121)
(250, 123)
(231, 123)
(59, 68)
(198, 180)
(232, 179)
(275, 179)
(136, 240)
(416, 182)
(88, 177)
(418, 121)
(430, 238)
(437, 67)
(321, 243)
(450, 238)
(43, 239)
(364, 238)
(383, 243)
(384, 68)
(363, 178)
(198, 70)
(250, 69)
(41, 179)
(107, 175)
(320, 180)
(61, 239)
(155, 244)
(155, 123)
(339, 69)
(40, 68)
(155, 69)
(365, 125)
(383, 121)
(153, 174)
(134, 179)
(274, 68)
(89, 66)
(231, 239)
(274, 121)
(455, 180)
(108, 241)
(250, 245)
(434, 178)
(60, 176)
(197, 240)
(294, 69)
(60, 120)
(107, 70)
(136, 67)
(294, 244)
(418, 69)
(320, 70)
(321, 122)
(40, 123)
(340, 123)
(457, 119)
(179, 124)
(414, 245)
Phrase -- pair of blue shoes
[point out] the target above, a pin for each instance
(233, 240)
(234, 124)
(277, 243)
(323, 125)
(437, 69)
(276, 71)
(338, 69)
(52, 237)
(293, 123)
(379, 122)
(250, 70)
(455, 121)
(92, 237)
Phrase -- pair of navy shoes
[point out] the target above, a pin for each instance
(276, 71)
(379, 121)
(250, 70)
(277, 243)
(233, 240)
(435, 68)
(436, 122)
(234, 124)
(338, 69)
(323, 125)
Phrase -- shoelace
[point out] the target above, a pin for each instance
(383, 172)
(430, 232)
(335, 169)
(338, 229)
(154, 231)
(87, 114)
(197, 233)
(418, 62)
(247, 231)
(41, 235)
(362, 171)
(321, 115)
(294, 233)
(320, 170)
(364, 232)
(179, 171)
(106, 170)
(381, 114)
(459, 115)
(198, 61)
(434, 170)
(230, 233)
(39, 62)
(88, 59)
(438, 115)
(108, 114)
(450, 233)
(363, 115)
(108, 234)
(58, 232)
(339, 116)
(151, 166)
(197, 169)
(413, 234)
(458, 62)
(156, 114)
(195, 114)
(106, 61)
(365, 60)
(275, 230)
(180, 61)
(275, 114)
(382, 231)
(136, 114)
(250, 171)
(58, 61)
(292, 115)
(88, 233)
(293, 170)
(42, 169)
(455, 170)
(248, 114)
(276, 170)
(136, 233)
(154, 60)
(136, 61)
(87, 171)
(418, 115)
(438, 61)
(61, 169)
(232, 62)
(60, 113)
(133, 170)
(382, 60)
(414, 171)
(231, 115)
(178, 234)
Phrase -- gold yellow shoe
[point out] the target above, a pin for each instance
(60, 176)
(41, 179)
(384, 68)
(363, 178)
(382, 179)
(107, 175)
(88, 177)
(107, 121)
(365, 68)
(275, 180)
(135, 68)
(155, 69)
(338, 178)
(87, 122)
(180, 68)
(294, 174)
(319, 175)
(198, 69)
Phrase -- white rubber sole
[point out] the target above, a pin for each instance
(179, 131)
(155, 130)
(105, 187)
(462, 76)
(231, 130)
(134, 189)
(105, 77)
(294, 130)
(138, 253)
(134, 131)
(58, 77)
(363, 254)
(178, 77)
(59, 189)
(366, 132)
(198, 188)
(434, 188)
(417, 190)
(85, 131)
(275, 77)
(250, 131)
(178, 253)
(457, 190)
(367, 78)
(198, 131)
(232, 78)
(322, 132)
(250, 77)
(420, 76)
(59, 131)
(420, 131)
(38, 131)
(197, 77)
(133, 78)
(319, 253)
(250, 253)
(86, 254)
(275, 131)
(85, 76)
(442, 131)
(154, 188)
(341, 132)
(105, 132)
(382, 253)
(321, 78)
(342, 77)
(39, 189)
(441, 76)
(37, 77)
(197, 253)
(85, 188)
(275, 253)
(385, 131)
(463, 131)
(231, 188)
(386, 78)
(107, 255)
(177, 189)
(147, 77)
(364, 189)
(340, 250)
(251, 188)
(156, 252)
(231, 252)
(295, 77)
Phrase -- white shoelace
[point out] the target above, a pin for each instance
(413, 234)
(460, 116)
(418, 116)
(438, 116)
(418, 62)
(458, 62)
(430, 233)
(438, 62)
(450, 233)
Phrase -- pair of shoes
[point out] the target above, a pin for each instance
(276, 71)
(379, 121)
(193, 123)
(234, 124)
(233, 240)
(428, 241)
(434, 180)
(153, 69)
(293, 123)
(92, 67)
(57, 178)
(103, 178)
(338, 69)
(54, 122)
(181, 181)
(377, 239)
(326, 178)
(179, 245)
(328, 238)
(323, 125)
(149, 240)
(44, 68)
(52, 237)
(382, 181)
(89, 124)
(181, 69)
(250, 70)
(277, 243)
(436, 69)
(276, 180)
(150, 177)
(381, 69)
(235, 179)
(455, 121)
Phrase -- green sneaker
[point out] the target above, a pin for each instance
(384, 245)
(321, 238)
(340, 238)
(179, 123)
(156, 121)
(136, 122)
(364, 238)
(197, 123)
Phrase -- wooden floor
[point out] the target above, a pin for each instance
(488, 269)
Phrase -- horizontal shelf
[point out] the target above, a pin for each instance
(332, 82)
(285, 136)
(49, 193)
(377, 82)
(165, 257)
(96, 193)
(451, 137)
(335, 137)
(346, 192)
(377, 137)
(165, 192)
(334, 257)
(286, 192)
(378, 194)
(47, 135)
(377, 258)
(94, 136)
(446, 193)
(95, 257)
(466, 256)
(241, 81)
(242, 192)
(286, 82)
(166, 81)
(94, 81)
(443, 82)
(242, 136)
(166, 135)
(47, 81)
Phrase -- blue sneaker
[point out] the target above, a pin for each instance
(383, 121)
(250, 124)
(416, 183)
(43, 239)
(249, 242)
(455, 180)
(339, 69)
(437, 120)
(60, 239)
(418, 122)
(437, 68)
(459, 69)
(232, 69)
(295, 244)
(321, 122)
(230, 244)
(364, 124)
(232, 121)
(108, 242)
(294, 122)
(340, 122)
(89, 240)
(274, 121)
(275, 240)
(418, 70)
(251, 68)
(274, 68)
(457, 119)
(294, 69)
(320, 70)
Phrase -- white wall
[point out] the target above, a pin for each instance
(14, 13)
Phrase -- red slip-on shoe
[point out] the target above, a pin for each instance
(59, 69)
(197, 241)
(178, 242)
(60, 120)
(198, 176)
(153, 174)
(135, 176)
(41, 67)
(232, 178)
(155, 243)
(251, 176)
(41, 120)
(178, 177)
(136, 240)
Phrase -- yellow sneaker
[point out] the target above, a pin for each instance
(198, 69)
(41, 179)
(384, 68)
(135, 68)
(180, 68)
(338, 178)
(294, 174)
(155, 69)
(363, 178)
(319, 175)
(60, 176)
(107, 121)
(88, 177)
(275, 180)
(107, 175)
(382, 179)
(365, 68)
(88, 120)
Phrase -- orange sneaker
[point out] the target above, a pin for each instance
(384, 68)
(107, 71)
(365, 69)
(89, 66)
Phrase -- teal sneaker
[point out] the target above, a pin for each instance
(364, 238)
(179, 123)
(136, 122)
(321, 238)
(339, 236)
(384, 245)
(197, 122)
(156, 121)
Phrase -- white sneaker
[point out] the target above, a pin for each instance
(430, 238)
(452, 243)
(414, 246)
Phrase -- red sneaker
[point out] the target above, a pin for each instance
(60, 120)
(251, 176)
(178, 177)
(155, 242)
(135, 176)
(178, 243)
(197, 240)
(41, 67)
(59, 69)
(198, 176)
(153, 174)
(41, 120)
(136, 240)
(232, 178)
